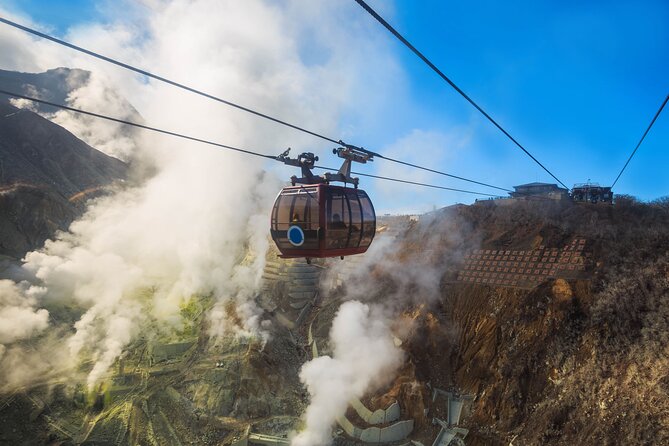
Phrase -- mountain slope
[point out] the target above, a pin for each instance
(36, 151)
(53, 85)
(45, 171)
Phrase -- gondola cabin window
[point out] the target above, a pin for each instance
(297, 207)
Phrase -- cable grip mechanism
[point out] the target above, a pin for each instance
(307, 161)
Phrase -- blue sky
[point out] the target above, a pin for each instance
(575, 82)
(59, 14)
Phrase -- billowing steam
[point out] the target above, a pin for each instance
(18, 317)
(95, 95)
(198, 224)
(19, 320)
(364, 357)
(363, 332)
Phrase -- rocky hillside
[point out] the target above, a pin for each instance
(579, 359)
(45, 175)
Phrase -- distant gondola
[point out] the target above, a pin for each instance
(314, 219)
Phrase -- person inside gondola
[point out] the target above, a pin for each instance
(337, 232)
(296, 218)
(337, 223)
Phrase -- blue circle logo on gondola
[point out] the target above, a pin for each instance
(295, 236)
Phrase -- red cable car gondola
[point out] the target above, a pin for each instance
(314, 219)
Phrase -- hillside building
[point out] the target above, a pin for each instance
(591, 193)
(545, 190)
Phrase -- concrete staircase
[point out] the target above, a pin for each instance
(302, 279)
(289, 288)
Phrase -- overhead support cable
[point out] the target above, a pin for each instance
(226, 102)
(133, 124)
(641, 140)
(441, 173)
(160, 78)
(397, 180)
(401, 38)
(216, 144)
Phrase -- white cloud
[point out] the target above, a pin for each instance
(20, 51)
